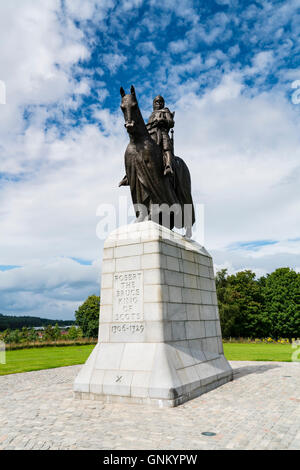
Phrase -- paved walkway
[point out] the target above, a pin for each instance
(260, 409)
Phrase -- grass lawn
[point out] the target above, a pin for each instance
(258, 352)
(25, 360)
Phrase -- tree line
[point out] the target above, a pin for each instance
(30, 335)
(268, 306)
(13, 322)
(249, 307)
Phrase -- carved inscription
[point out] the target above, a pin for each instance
(128, 328)
(128, 297)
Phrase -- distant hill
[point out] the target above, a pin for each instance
(14, 323)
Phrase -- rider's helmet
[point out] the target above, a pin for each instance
(160, 101)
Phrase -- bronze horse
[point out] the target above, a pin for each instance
(164, 199)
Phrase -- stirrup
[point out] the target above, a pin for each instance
(168, 170)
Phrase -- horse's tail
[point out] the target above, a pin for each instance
(183, 189)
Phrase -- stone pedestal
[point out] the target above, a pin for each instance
(160, 340)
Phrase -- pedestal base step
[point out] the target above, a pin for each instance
(158, 374)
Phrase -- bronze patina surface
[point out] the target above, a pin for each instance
(159, 181)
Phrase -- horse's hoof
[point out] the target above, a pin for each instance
(188, 233)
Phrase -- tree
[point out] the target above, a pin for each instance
(240, 304)
(281, 292)
(14, 336)
(87, 316)
(33, 335)
(56, 332)
(48, 333)
(74, 333)
(6, 336)
(24, 334)
(228, 309)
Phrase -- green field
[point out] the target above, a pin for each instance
(258, 352)
(25, 360)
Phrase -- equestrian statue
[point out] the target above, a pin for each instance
(159, 181)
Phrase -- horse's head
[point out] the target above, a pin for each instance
(130, 108)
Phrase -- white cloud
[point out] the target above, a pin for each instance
(243, 154)
(263, 59)
(129, 4)
(229, 88)
(212, 29)
(90, 9)
(178, 46)
(36, 66)
(147, 47)
(113, 61)
(143, 61)
(183, 9)
(234, 50)
(262, 63)
(80, 10)
(52, 290)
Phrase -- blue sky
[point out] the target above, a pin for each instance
(228, 68)
(189, 46)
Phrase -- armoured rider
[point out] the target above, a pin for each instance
(159, 124)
